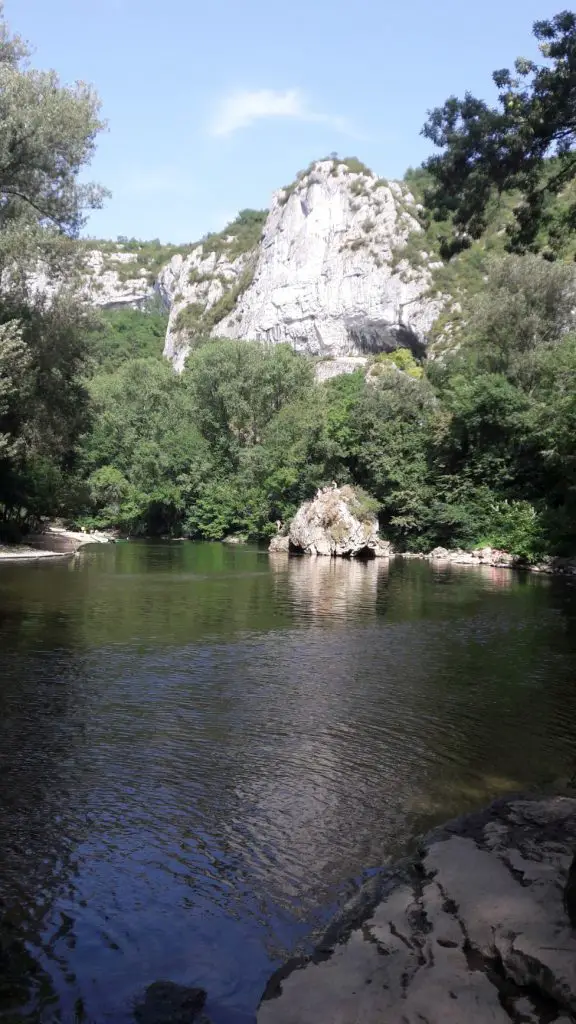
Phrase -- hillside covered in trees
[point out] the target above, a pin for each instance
(474, 444)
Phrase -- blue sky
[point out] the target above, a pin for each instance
(212, 104)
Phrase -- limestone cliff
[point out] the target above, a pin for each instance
(108, 277)
(325, 270)
(116, 279)
(327, 275)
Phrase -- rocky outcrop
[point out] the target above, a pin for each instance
(339, 521)
(326, 369)
(480, 556)
(498, 559)
(327, 276)
(107, 279)
(198, 289)
(325, 279)
(115, 280)
(280, 544)
(325, 270)
(473, 930)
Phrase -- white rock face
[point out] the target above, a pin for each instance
(326, 276)
(326, 279)
(473, 931)
(102, 283)
(107, 289)
(197, 280)
(328, 368)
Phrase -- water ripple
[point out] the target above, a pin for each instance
(199, 747)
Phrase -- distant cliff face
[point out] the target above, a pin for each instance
(326, 276)
(196, 290)
(109, 278)
(115, 279)
(324, 270)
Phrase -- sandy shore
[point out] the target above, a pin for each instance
(55, 542)
(19, 552)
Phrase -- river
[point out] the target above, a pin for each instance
(203, 748)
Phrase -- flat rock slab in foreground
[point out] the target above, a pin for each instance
(472, 931)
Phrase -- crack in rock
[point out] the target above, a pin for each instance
(472, 931)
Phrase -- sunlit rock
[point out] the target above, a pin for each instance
(339, 521)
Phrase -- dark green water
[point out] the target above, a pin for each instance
(200, 746)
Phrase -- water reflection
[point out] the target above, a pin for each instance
(331, 587)
(199, 746)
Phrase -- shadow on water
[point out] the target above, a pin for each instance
(199, 745)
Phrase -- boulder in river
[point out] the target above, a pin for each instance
(339, 521)
(280, 544)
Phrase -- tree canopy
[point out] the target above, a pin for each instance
(524, 145)
(47, 134)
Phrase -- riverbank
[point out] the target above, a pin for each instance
(497, 559)
(341, 522)
(491, 557)
(472, 929)
(54, 542)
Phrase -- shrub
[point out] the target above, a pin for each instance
(190, 318)
(238, 237)
(401, 359)
(199, 277)
(198, 320)
(364, 506)
(354, 165)
(515, 527)
(150, 255)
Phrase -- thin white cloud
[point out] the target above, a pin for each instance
(243, 108)
(140, 182)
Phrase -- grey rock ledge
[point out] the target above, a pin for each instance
(472, 930)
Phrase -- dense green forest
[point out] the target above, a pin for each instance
(477, 445)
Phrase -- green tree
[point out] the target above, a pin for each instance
(505, 148)
(237, 387)
(124, 334)
(47, 135)
(295, 456)
(143, 458)
(391, 458)
(503, 432)
(44, 405)
(525, 307)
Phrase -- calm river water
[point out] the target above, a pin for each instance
(200, 746)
